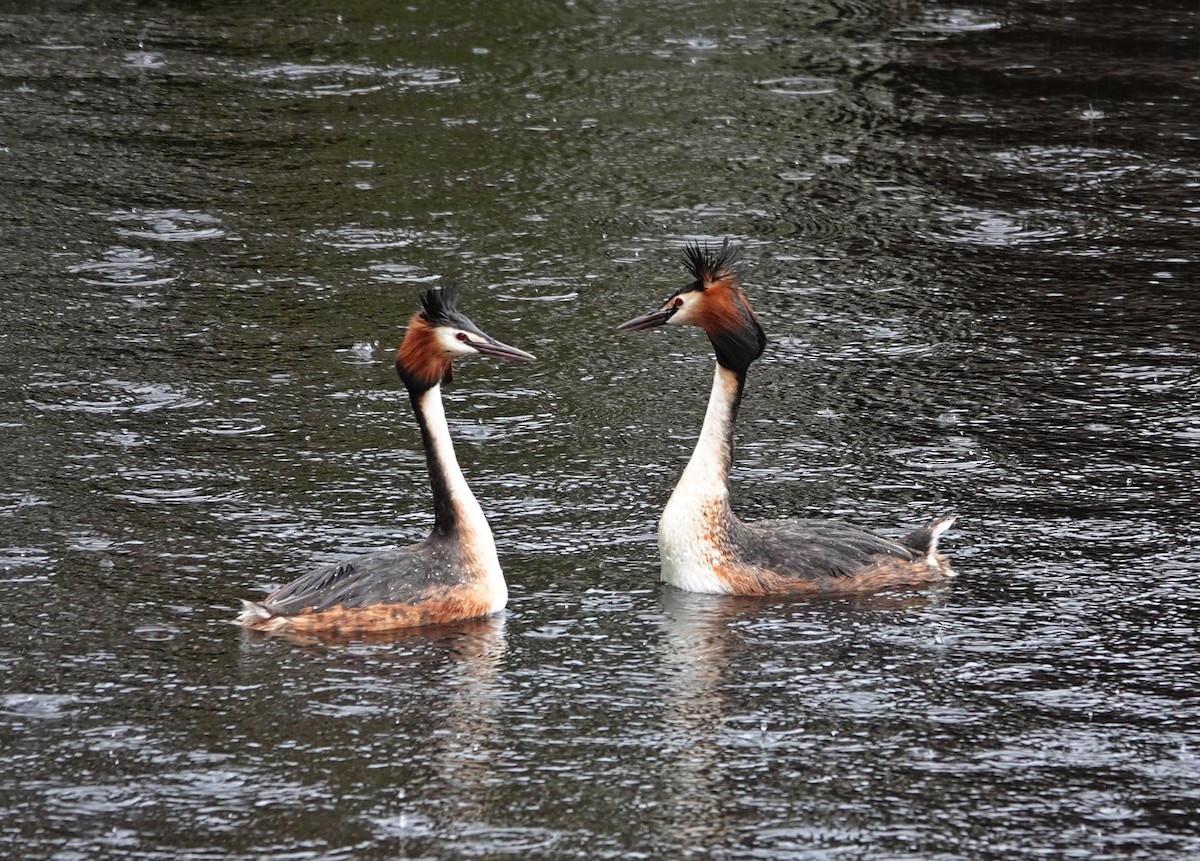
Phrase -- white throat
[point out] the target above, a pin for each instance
(698, 508)
(473, 529)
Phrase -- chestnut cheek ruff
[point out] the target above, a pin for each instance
(420, 361)
(737, 338)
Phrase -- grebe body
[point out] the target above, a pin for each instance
(703, 545)
(452, 575)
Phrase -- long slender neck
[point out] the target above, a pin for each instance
(454, 506)
(697, 520)
(707, 473)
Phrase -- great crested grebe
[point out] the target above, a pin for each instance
(452, 575)
(703, 545)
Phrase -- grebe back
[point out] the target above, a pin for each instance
(453, 574)
(703, 545)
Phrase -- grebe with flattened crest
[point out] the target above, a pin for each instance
(703, 545)
(452, 575)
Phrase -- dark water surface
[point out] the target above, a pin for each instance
(971, 234)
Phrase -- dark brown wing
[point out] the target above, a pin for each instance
(404, 576)
(816, 549)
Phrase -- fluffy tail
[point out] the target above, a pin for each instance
(925, 539)
(253, 614)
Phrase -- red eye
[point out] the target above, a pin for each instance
(678, 301)
(462, 336)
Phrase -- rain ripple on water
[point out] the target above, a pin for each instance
(113, 396)
(167, 225)
(316, 80)
(122, 267)
(968, 225)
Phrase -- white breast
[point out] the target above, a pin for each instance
(692, 523)
(689, 555)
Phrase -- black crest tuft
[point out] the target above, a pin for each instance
(707, 265)
(439, 305)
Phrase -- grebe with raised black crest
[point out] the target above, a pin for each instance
(452, 575)
(703, 545)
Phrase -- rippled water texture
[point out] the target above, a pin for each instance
(971, 234)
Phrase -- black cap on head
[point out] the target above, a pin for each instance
(709, 266)
(439, 305)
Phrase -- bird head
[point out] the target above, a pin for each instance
(714, 302)
(439, 333)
